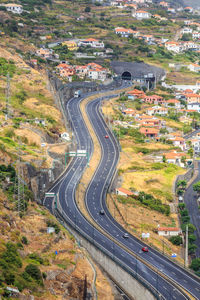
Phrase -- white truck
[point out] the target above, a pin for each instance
(77, 93)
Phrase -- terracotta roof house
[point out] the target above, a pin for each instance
(124, 192)
(149, 132)
(192, 97)
(154, 99)
(173, 102)
(168, 231)
(124, 32)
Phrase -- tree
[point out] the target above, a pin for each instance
(181, 206)
(191, 238)
(87, 9)
(191, 228)
(164, 159)
(186, 37)
(191, 248)
(34, 272)
(196, 187)
(195, 265)
(190, 152)
(182, 184)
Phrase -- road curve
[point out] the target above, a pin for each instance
(95, 198)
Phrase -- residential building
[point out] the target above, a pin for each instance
(190, 45)
(129, 112)
(124, 32)
(179, 142)
(196, 145)
(194, 67)
(164, 4)
(192, 97)
(186, 30)
(136, 93)
(124, 192)
(188, 9)
(173, 102)
(174, 157)
(149, 132)
(141, 14)
(168, 231)
(194, 106)
(157, 110)
(44, 52)
(92, 43)
(154, 99)
(171, 10)
(147, 37)
(196, 35)
(71, 45)
(14, 8)
(174, 46)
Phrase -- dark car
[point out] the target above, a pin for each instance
(145, 249)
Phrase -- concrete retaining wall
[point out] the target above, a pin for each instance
(134, 289)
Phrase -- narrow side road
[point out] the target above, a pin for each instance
(190, 199)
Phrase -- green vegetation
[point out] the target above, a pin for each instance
(50, 223)
(176, 240)
(7, 67)
(153, 203)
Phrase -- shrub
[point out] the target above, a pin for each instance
(176, 240)
(195, 265)
(36, 257)
(10, 256)
(24, 240)
(34, 272)
(191, 248)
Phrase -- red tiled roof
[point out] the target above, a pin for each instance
(129, 193)
(168, 229)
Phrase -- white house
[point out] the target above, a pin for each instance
(174, 46)
(174, 157)
(157, 110)
(141, 14)
(196, 35)
(92, 43)
(14, 8)
(196, 145)
(124, 32)
(179, 142)
(168, 231)
(194, 106)
(194, 68)
(186, 30)
(124, 192)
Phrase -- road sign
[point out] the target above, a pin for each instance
(49, 194)
(81, 151)
(71, 153)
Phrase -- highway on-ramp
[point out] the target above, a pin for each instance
(119, 248)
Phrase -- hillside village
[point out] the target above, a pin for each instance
(156, 120)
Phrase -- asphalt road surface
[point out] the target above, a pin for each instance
(116, 245)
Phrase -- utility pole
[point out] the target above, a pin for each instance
(186, 247)
(20, 183)
(7, 96)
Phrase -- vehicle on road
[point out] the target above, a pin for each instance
(125, 235)
(102, 212)
(145, 249)
(106, 136)
(77, 94)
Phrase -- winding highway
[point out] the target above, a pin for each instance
(147, 267)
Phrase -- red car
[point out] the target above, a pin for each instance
(145, 249)
(106, 136)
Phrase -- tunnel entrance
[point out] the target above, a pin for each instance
(126, 75)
